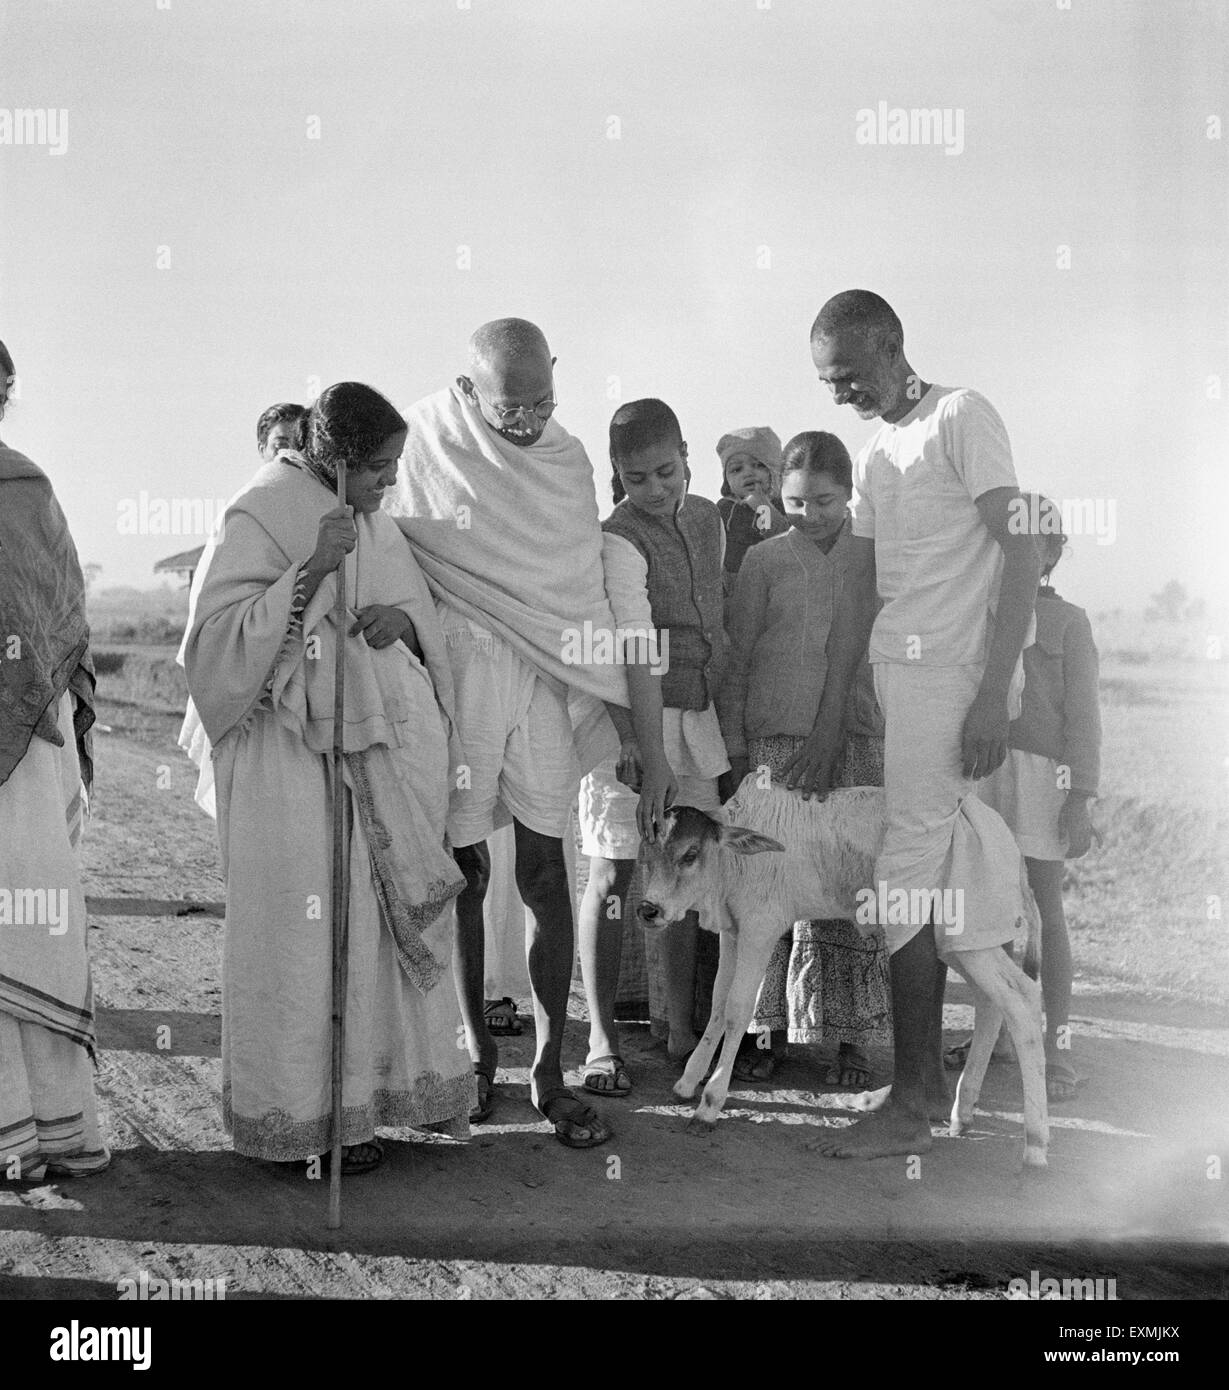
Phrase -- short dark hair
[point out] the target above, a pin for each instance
(284, 411)
(817, 451)
(860, 310)
(7, 375)
(1051, 529)
(641, 424)
(348, 422)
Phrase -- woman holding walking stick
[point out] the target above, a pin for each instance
(261, 661)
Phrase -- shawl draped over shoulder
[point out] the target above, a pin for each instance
(510, 537)
(46, 710)
(243, 650)
(42, 608)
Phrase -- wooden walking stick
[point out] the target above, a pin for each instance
(340, 897)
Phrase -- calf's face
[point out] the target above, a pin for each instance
(682, 868)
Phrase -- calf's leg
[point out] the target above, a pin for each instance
(756, 940)
(697, 1063)
(987, 1020)
(1019, 999)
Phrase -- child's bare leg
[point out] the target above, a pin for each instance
(469, 963)
(679, 950)
(901, 1124)
(601, 946)
(1045, 877)
(938, 1098)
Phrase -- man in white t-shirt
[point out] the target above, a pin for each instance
(931, 534)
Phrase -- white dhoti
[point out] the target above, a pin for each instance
(948, 861)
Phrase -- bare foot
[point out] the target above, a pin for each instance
(888, 1131)
(852, 1068)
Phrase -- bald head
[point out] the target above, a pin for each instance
(856, 311)
(503, 339)
(511, 366)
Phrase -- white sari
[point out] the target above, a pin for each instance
(47, 1105)
(261, 680)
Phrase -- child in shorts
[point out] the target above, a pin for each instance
(662, 552)
(1043, 788)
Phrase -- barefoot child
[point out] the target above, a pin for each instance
(1043, 789)
(662, 555)
(750, 502)
(832, 985)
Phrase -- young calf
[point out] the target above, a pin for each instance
(781, 859)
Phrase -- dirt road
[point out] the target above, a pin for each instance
(1134, 1191)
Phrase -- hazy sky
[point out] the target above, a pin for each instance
(194, 254)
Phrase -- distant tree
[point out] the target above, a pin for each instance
(91, 573)
(1169, 605)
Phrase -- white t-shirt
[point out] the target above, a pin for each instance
(916, 483)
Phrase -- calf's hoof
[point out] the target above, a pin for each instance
(684, 1089)
(1034, 1157)
(700, 1126)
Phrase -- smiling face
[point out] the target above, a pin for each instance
(862, 373)
(654, 477)
(747, 475)
(366, 482)
(815, 503)
(506, 381)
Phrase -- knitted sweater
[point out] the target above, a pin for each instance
(780, 615)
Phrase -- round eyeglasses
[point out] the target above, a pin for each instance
(543, 410)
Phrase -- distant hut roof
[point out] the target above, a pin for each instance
(184, 562)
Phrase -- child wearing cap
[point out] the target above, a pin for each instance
(750, 502)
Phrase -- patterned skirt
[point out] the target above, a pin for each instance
(826, 982)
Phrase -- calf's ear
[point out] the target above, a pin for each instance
(743, 841)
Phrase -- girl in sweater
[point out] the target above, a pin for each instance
(830, 985)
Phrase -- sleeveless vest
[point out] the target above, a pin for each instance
(685, 595)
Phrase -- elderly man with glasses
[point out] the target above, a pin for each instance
(498, 502)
